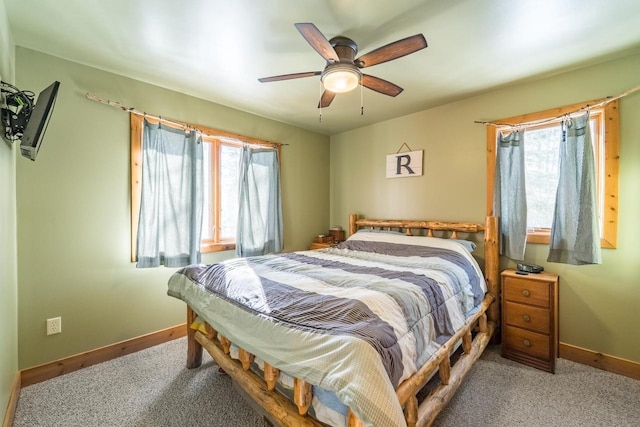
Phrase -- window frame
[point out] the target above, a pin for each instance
(607, 185)
(209, 135)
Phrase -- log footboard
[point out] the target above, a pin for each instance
(278, 406)
(293, 414)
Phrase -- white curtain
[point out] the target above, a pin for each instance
(510, 201)
(259, 228)
(171, 202)
(575, 234)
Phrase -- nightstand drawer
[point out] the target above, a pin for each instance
(531, 343)
(527, 317)
(527, 292)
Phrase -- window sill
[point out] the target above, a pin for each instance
(539, 237)
(542, 238)
(217, 247)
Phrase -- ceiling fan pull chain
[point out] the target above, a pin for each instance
(320, 103)
(361, 98)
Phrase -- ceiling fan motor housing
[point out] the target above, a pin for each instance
(342, 76)
(345, 48)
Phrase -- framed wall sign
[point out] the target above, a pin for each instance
(404, 165)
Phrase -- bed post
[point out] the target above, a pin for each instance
(492, 266)
(194, 348)
(352, 224)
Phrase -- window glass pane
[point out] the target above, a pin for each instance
(229, 163)
(207, 214)
(542, 163)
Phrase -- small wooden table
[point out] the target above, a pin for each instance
(315, 245)
(530, 318)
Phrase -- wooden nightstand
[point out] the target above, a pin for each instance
(530, 319)
(315, 245)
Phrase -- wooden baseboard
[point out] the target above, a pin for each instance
(69, 364)
(13, 401)
(605, 362)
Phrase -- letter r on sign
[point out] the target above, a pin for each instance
(403, 161)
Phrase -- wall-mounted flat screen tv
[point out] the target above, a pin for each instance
(38, 121)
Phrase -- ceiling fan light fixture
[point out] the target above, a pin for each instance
(340, 78)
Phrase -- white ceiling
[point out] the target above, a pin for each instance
(217, 49)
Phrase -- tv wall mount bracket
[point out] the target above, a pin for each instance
(15, 110)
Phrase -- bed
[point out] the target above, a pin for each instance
(349, 335)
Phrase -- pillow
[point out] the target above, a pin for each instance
(468, 245)
(471, 246)
(379, 230)
(455, 245)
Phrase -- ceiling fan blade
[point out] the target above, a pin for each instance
(392, 51)
(380, 85)
(318, 41)
(326, 98)
(289, 76)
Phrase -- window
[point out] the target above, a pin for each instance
(221, 183)
(542, 167)
(222, 155)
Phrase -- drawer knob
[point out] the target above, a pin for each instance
(526, 343)
(526, 318)
(526, 292)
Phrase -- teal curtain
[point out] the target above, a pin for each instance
(509, 200)
(171, 202)
(259, 228)
(575, 234)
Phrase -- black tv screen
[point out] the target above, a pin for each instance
(37, 124)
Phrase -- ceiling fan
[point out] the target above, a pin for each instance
(342, 72)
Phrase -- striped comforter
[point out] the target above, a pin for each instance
(356, 319)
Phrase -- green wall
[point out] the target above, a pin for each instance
(73, 208)
(598, 304)
(8, 261)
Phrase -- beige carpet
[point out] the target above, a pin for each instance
(153, 388)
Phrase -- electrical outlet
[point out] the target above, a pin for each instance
(54, 325)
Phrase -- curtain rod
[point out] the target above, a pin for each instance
(596, 104)
(132, 110)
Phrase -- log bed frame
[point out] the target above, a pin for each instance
(475, 336)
